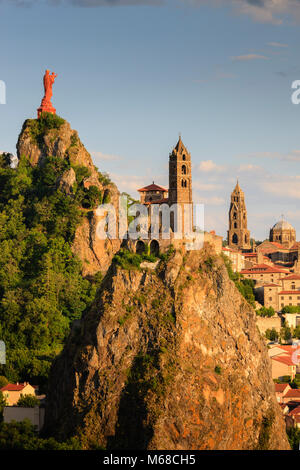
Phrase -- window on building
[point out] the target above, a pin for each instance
(183, 169)
(270, 299)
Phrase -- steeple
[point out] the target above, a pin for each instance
(180, 174)
(180, 179)
(238, 233)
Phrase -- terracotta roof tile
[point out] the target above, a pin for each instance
(292, 277)
(285, 292)
(287, 360)
(293, 393)
(279, 388)
(13, 387)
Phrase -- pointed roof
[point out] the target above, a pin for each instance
(237, 188)
(152, 187)
(180, 147)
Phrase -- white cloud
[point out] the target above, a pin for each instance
(209, 166)
(276, 44)
(285, 187)
(248, 168)
(247, 57)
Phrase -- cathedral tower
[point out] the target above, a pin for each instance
(180, 181)
(180, 175)
(238, 234)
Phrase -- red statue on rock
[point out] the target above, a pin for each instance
(46, 105)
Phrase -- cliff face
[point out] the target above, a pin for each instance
(39, 140)
(167, 359)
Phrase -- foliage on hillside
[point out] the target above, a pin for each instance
(41, 287)
(23, 436)
(245, 286)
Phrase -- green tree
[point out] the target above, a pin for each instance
(294, 438)
(23, 436)
(286, 334)
(272, 334)
(265, 312)
(28, 401)
(291, 309)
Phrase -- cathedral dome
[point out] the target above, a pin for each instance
(283, 225)
(284, 233)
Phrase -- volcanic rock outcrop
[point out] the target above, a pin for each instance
(43, 138)
(167, 358)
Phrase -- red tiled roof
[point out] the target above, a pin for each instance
(290, 292)
(284, 359)
(293, 393)
(292, 277)
(295, 411)
(271, 285)
(152, 187)
(13, 387)
(279, 388)
(263, 268)
(278, 245)
(226, 248)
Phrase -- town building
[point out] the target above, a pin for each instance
(236, 257)
(281, 292)
(264, 273)
(285, 363)
(13, 392)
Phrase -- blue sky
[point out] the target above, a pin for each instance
(132, 76)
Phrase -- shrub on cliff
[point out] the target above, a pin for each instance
(245, 286)
(47, 121)
(41, 287)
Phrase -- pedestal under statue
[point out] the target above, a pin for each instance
(46, 105)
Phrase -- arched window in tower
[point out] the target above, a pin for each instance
(234, 215)
(235, 239)
(246, 239)
(183, 169)
(183, 157)
(183, 183)
(235, 225)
